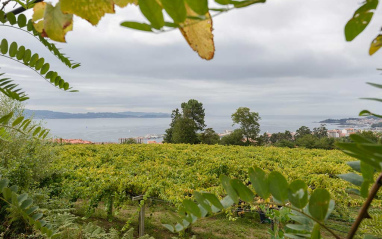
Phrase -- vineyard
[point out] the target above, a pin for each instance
(173, 172)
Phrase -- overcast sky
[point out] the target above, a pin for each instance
(285, 57)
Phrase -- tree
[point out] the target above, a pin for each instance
(248, 121)
(168, 135)
(302, 131)
(184, 125)
(209, 136)
(184, 132)
(194, 110)
(321, 131)
(234, 138)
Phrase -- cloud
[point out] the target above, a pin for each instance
(282, 57)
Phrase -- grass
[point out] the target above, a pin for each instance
(215, 227)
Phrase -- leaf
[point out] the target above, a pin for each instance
(356, 165)
(124, 3)
(56, 23)
(22, 197)
(319, 204)
(20, 53)
(298, 194)
(332, 205)
(38, 11)
(22, 20)
(364, 192)
(178, 227)
(223, 2)
(198, 35)
(176, 9)
(13, 49)
(6, 118)
(202, 201)
(213, 200)
(367, 171)
(169, 227)
(28, 202)
(260, 182)
(298, 227)
(278, 186)
(90, 10)
(352, 178)
(375, 45)
(198, 6)
(3, 183)
(153, 12)
(243, 191)
(316, 232)
(17, 121)
(11, 18)
(375, 85)
(190, 206)
(137, 26)
(228, 188)
(45, 68)
(4, 46)
(37, 216)
(360, 19)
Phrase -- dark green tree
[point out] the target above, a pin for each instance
(184, 125)
(184, 132)
(194, 110)
(321, 131)
(248, 121)
(235, 138)
(209, 136)
(263, 139)
(302, 131)
(168, 135)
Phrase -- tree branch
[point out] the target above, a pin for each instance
(363, 212)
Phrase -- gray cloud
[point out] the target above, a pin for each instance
(282, 57)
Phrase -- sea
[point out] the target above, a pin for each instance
(110, 130)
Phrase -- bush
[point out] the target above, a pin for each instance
(285, 143)
(235, 138)
(209, 136)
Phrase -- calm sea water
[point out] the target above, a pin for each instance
(110, 130)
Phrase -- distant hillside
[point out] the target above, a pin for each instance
(47, 114)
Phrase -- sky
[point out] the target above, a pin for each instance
(284, 57)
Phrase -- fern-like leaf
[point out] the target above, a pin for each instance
(21, 23)
(10, 89)
(23, 205)
(33, 61)
(21, 125)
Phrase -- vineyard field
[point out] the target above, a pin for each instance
(173, 172)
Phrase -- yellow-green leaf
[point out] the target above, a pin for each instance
(38, 11)
(56, 23)
(375, 45)
(199, 35)
(90, 10)
(124, 3)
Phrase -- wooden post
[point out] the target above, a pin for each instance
(141, 228)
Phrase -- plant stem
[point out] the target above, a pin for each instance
(363, 212)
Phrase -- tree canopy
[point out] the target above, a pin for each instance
(248, 121)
